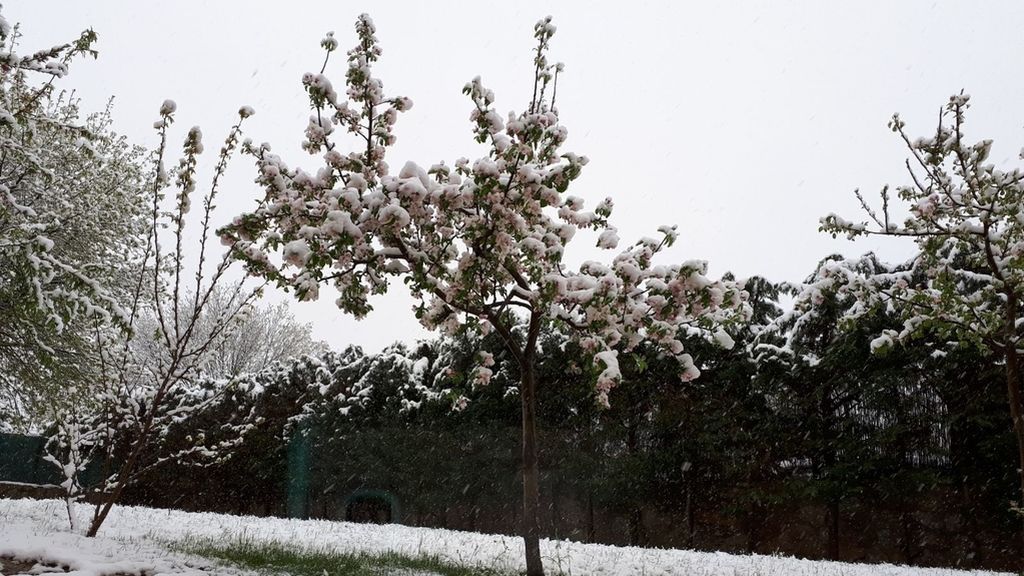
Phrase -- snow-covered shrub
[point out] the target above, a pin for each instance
(71, 229)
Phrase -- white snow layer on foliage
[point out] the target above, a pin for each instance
(130, 542)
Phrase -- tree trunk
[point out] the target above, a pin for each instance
(908, 540)
(690, 524)
(832, 517)
(755, 521)
(102, 511)
(637, 534)
(515, 518)
(635, 520)
(126, 470)
(531, 474)
(103, 508)
(590, 518)
(975, 542)
(556, 513)
(69, 502)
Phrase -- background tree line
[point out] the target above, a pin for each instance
(799, 440)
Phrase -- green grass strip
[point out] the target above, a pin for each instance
(275, 557)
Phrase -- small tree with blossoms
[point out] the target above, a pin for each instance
(104, 328)
(150, 367)
(967, 281)
(481, 245)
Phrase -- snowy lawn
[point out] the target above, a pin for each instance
(307, 561)
(136, 541)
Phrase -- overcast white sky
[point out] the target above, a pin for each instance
(741, 122)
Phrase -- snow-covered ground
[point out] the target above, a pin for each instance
(132, 541)
(37, 531)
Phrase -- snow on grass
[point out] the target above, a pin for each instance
(135, 535)
(34, 537)
(317, 562)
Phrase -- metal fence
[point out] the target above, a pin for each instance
(21, 460)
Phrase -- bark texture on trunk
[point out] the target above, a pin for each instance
(590, 518)
(103, 509)
(635, 521)
(690, 522)
(531, 473)
(832, 516)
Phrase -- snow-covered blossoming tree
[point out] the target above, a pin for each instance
(967, 280)
(68, 184)
(150, 372)
(480, 244)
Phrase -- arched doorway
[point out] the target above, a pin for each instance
(372, 507)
